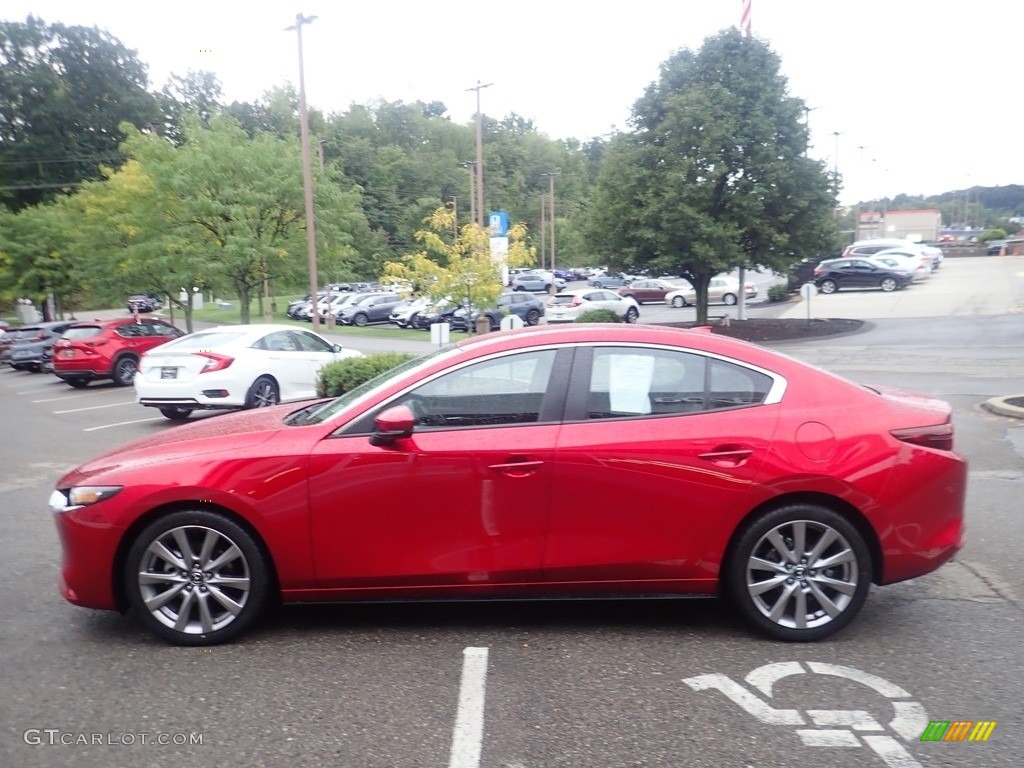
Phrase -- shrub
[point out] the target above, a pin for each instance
(342, 375)
(778, 292)
(599, 316)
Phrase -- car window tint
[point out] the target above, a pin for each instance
(505, 390)
(311, 343)
(628, 382)
(280, 341)
(82, 332)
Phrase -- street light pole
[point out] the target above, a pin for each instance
(551, 191)
(471, 164)
(307, 174)
(480, 154)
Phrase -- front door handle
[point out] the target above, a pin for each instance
(518, 468)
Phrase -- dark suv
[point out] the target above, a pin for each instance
(144, 302)
(27, 353)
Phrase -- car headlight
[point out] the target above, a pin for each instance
(67, 499)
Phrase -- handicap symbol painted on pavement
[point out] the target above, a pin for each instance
(834, 727)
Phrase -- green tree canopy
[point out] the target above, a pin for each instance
(64, 90)
(714, 174)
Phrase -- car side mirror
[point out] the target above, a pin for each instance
(338, 348)
(392, 424)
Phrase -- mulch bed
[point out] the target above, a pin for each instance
(780, 329)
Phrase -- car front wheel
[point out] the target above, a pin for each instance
(632, 315)
(799, 573)
(828, 286)
(678, 301)
(196, 577)
(889, 284)
(124, 371)
(361, 320)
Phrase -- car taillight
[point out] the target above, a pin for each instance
(938, 436)
(215, 362)
(818, 271)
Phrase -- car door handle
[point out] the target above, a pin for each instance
(518, 468)
(725, 456)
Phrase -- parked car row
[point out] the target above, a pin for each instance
(227, 367)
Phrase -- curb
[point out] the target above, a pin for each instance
(1000, 406)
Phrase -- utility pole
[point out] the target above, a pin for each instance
(307, 173)
(543, 230)
(480, 154)
(551, 192)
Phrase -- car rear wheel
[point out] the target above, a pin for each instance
(196, 578)
(519, 288)
(263, 393)
(799, 573)
(632, 315)
(678, 301)
(176, 414)
(889, 284)
(123, 372)
(729, 299)
(828, 286)
(532, 317)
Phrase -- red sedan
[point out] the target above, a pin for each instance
(697, 464)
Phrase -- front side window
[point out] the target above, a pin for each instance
(505, 390)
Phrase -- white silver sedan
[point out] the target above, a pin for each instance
(566, 306)
(722, 289)
(234, 366)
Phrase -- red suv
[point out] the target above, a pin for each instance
(108, 349)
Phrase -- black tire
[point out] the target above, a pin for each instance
(176, 414)
(212, 561)
(597, 284)
(360, 319)
(532, 317)
(519, 288)
(888, 284)
(76, 383)
(729, 299)
(770, 598)
(263, 393)
(679, 302)
(828, 286)
(123, 370)
(632, 315)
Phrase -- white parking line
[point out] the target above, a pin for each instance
(121, 424)
(68, 396)
(96, 407)
(467, 736)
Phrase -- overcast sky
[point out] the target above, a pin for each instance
(921, 92)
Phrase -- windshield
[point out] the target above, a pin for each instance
(82, 332)
(324, 411)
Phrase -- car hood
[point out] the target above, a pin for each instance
(228, 433)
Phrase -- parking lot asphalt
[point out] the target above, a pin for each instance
(567, 685)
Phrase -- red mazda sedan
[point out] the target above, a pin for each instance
(699, 465)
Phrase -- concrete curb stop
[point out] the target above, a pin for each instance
(1002, 406)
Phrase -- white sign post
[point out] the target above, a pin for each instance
(808, 291)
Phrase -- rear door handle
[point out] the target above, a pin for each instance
(727, 457)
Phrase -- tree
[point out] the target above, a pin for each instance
(714, 174)
(64, 90)
(458, 268)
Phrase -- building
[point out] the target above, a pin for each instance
(918, 226)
